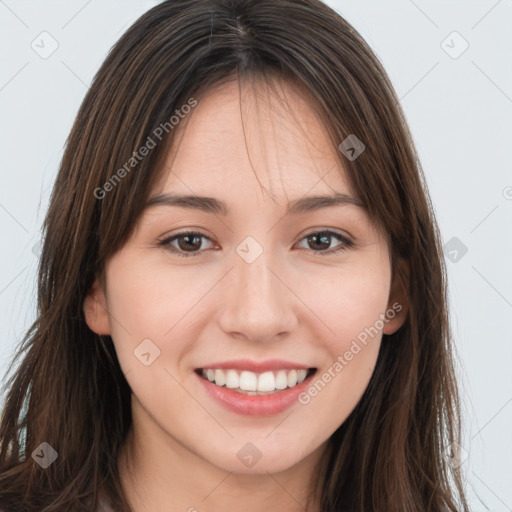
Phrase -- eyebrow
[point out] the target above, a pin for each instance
(218, 207)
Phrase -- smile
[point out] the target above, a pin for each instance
(251, 383)
(254, 388)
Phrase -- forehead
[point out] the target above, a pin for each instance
(242, 133)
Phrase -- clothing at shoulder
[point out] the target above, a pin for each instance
(102, 507)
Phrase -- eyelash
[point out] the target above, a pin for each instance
(344, 245)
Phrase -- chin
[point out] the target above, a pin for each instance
(257, 458)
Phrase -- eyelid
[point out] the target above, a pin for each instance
(167, 239)
(342, 234)
(346, 242)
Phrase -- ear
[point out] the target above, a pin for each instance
(95, 309)
(398, 303)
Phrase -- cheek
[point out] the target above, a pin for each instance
(146, 301)
(349, 300)
(146, 291)
(350, 307)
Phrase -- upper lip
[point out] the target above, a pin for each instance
(258, 366)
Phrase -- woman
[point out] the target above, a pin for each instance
(241, 290)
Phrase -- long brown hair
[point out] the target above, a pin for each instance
(68, 389)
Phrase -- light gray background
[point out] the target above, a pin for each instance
(460, 111)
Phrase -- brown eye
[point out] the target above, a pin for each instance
(187, 242)
(320, 241)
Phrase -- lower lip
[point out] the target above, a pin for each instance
(255, 405)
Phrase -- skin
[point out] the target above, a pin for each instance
(291, 303)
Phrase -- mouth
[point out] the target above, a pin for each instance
(256, 384)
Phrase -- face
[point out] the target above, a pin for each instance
(261, 289)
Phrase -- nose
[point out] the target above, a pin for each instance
(257, 303)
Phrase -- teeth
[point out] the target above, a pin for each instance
(232, 379)
(220, 377)
(248, 381)
(266, 382)
(281, 380)
(255, 382)
(292, 378)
